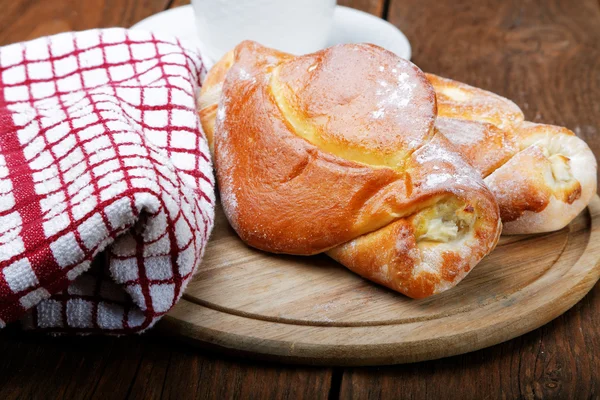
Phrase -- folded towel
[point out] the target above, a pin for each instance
(106, 185)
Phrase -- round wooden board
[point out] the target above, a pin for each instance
(312, 310)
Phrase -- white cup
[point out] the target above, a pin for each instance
(294, 26)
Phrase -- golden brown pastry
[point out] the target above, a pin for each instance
(337, 152)
(542, 175)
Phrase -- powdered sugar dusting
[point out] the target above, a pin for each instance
(509, 191)
(378, 114)
(402, 242)
(435, 180)
(399, 95)
(221, 114)
(453, 173)
(431, 260)
(459, 100)
(461, 132)
(225, 162)
(434, 153)
(403, 98)
(383, 274)
(243, 75)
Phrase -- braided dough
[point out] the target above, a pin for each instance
(543, 176)
(337, 152)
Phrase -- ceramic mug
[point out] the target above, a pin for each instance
(294, 26)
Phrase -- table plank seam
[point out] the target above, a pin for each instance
(168, 5)
(164, 385)
(106, 363)
(134, 378)
(335, 385)
(386, 9)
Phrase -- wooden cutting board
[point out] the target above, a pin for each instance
(312, 310)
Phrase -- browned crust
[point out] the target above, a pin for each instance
(485, 146)
(459, 100)
(283, 193)
(520, 176)
(519, 185)
(210, 94)
(394, 246)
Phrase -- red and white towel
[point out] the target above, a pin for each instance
(100, 150)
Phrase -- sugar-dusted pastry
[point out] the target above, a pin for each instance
(543, 176)
(337, 152)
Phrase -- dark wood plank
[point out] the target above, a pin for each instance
(178, 3)
(173, 370)
(375, 7)
(542, 54)
(218, 377)
(121, 366)
(150, 379)
(27, 19)
(39, 366)
(556, 361)
(545, 55)
(36, 366)
(145, 367)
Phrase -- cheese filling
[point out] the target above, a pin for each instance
(559, 176)
(561, 170)
(439, 230)
(444, 222)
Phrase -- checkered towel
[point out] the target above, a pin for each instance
(106, 186)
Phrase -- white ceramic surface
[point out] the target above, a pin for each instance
(293, 26)
(349, 26)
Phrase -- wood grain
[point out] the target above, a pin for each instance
(375, 7)
(42, 367)
(311, 310)
(556, 361)
(544, 55)
(317, 291)
(178, 3)
(36, 366)
(452, 38)
(28, 19)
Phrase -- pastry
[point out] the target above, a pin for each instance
(337, 152)
(543, 176)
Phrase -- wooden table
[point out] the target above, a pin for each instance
(545, 55)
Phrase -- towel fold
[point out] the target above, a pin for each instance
(106, 184)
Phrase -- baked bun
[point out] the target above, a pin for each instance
(337, 152)
(543, 176)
